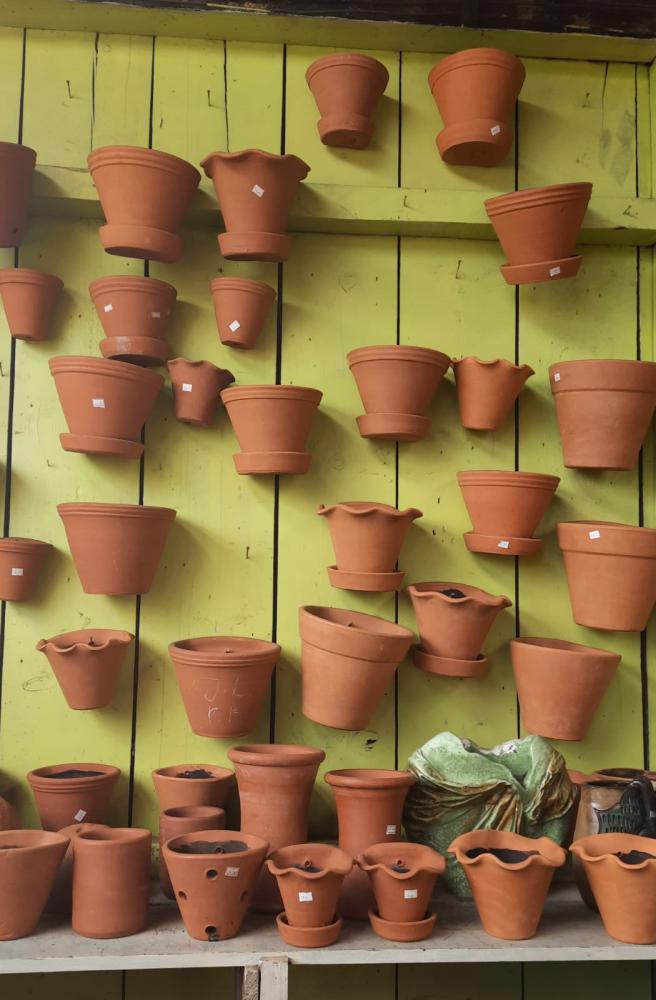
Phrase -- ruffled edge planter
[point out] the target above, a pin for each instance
(134, 311)
(309, 878)
(177, 821)
(347, 88)
(27, 875)
(174, 790)
(272, 424)
(17, 164)
(29, 298)
(505, 509)
(487, 391)
(63, 801)
(197, 389)
(403, 878)
(87, 664)
(241, 308)
(111, 882)
(21, 563)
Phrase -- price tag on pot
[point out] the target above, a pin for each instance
(234, 326)
(79, 815)
(594, 534)
(556, 377)
(16, 570)
(305, 897)
(553, 271)
(390, 831)
(232, 872)
(108, 308)
(257, 190)
(187, 386)
(98, 404)
(503, 544)
(409, 893)
(155, 315)
(495, 130)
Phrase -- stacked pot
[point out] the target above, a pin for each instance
(505, 509)
(309, 878)
(402, 879)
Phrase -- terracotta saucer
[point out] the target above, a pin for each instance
(145, 351)
(343, 129)
(272, 463)
(90, 445)
(141, 242)
(308, 937)
(497, 545)
(480, 143)
(373, 582)
(255, 246)
(546, 270)
(446, 666)
(396, 930)
(393, 426)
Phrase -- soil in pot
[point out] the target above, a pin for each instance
(87, 664)
(60, 899)
(134, 312)
(196, 390)
(29, 860)
(487, 391)
(189, 785)
(347, 88)
(16, 171)
(29, 298)
(111, 882)
(241, 308)
(21, 563)
(272, 424)
(310, 878)
(180, 820)
(505, 509)
(70, 793)
(403, 878)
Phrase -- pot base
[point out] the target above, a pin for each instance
(272, 463)
(308, 937)
(495, 545)
(144, 351)
(349, 130)
(397, 930)
(255, 246)
(480, 143)
(447, 666)
(546, 270)
(90, 445)
(372, 582)
(393, 426)
(141, 242)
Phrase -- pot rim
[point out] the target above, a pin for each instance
(64, 642)
(107, 156)
(276, 754)
(495, 361)
(435, 864)
(582, 847)
(360, 508)
(242, 285)
(342, 865)
(384, 629)
(579, 376)
(113, 837)
(477, 56)
(18, 148)
(374, 778)
(238, 392)
(131, 283)
(375, 66)
(253, 843)
(42, 839)
(554, 856)
(574, 536)
(549, 194)
(472, 594)
(92, 509)
(218, 773)
(184, 812)
(244, 154)
(37, 777)
(398, 352)
(27, 545)
(28, 276)
(261, 651)
(554, 647)
(492, 477)
(77, 364)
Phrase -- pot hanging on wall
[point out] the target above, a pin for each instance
(29, 298)
(111, 882)
(347, 88)
(21, 563)
(87, 664)
(192, 785)
(178, 821)
(310, 878)
(487, 391)
(272, 424)
(505, 509)
(29, 860)
(402, 878)
(196, 390)
(134, 312)
(71, 793)
(16, 171)
(60, 899)
(241, 307)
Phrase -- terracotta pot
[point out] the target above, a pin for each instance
(367, 539)
(87, 664)
(134, 312)
(308, 937)
(505, 509)
(487, 391)
(402, 930)
(510, 886)
(192, 785)
(144, 194)
(133, 536)
(83, 793)
(111, 882)
(29, 298)
(29, 860)
(611, 573)
(105, 404)
(272, 424)
(196, 390)
(60, 899)
(16, 169)
(396, 386)
(347, 89)
(21, 562)
(310, 878)
(255, 191)
(223, 682)
(351, 655)
(241, 307)
(604, 411)
(8, 816)
(402, 878)
(475, 91)
(538, 229)
(178, 821)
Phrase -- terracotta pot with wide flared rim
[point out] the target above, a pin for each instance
(191, 785)
(87, 664)
(197, 389)
(144, 194)
(272, 424)
(29, 860)
(396, 385)
(255, 191)
(367, 539)
(402, 878)
(241, 307)
(538, 229)
(84, 794)
(347, 88)
(353, 656)
(309, 878)
(111, 882)
(509, 876)
(180, 820)
(505, 509)
(29, 298)
(16, 171)
(134, 311)
(21, 563)
(116, 547)
(60, 899)
(475, 92)
(223, 681)
(560, 685)
(487, 391)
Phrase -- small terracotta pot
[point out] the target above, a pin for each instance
(352, 655)
(487, 391)
(116, 547)
(560, 685)
(402, 878)
(178, 821)
(272, 424)
(111, 882)
(505, 509)
(144, 194)
(60, 899)
(241, 307)
(538, 229)
(396, 386)
(367, 539)
(509, 887)
(223, 682)
(29, 860)
(192, 785)
(29, 298)
(21, 562)
(87, 664)
(308, 937)
(310, 878)
(196, 390)
(16, 170)
(611, 573)
(347, 89)
(84, 794)
(134, 312)
(255, 191)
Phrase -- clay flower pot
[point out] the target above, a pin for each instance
(214, 874)
(347, 89)
(538, 229)
(60, 899)
(272, 424)
(367, 539)
(180, 820)
(16, 170)
(134, 536)
(223, 682)
(192, 785)
(105, 404)
(134, 312)
(87, 664)
(487, 391)
(29, 298)
(453, 621)
(611, 573)
(71, 793)
(475, 91)
(196, 390)
(402, 878)
(509, 876)
(111, 882)
(241, 307)
(352, 655)
(29, 860)
(560, 685)
(144, 194)
(309, 878)
(21, 562)
(505, 509)
(604, 411)
(255, 191)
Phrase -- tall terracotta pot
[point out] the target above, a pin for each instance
(87, 664)
(180, 820)
(505, 509)
(16, 171)
(272, 424)
(21, 563)
(111, 882)
(70, 793)
(134, 311)
(487, 391)
(196, 390)
(60, 899)
(192, 785)
(347, 88)
(241, 307)
(29, 860)
(402, 878)
(29, 298)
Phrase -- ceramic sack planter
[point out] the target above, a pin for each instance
(505, 509)
(241, 307)
(29, 298)
(70, 793)
(60, 899)
(21, 563)
(29, 860)
(178, 821)
(272, 424)
(487, 391)
(16, 171)
(111, 882)
(310, 878)
(402, 878)
(192, 785)
(134, 312)
(196, 390)
(347, 88)
(144, 195)
(87, 664)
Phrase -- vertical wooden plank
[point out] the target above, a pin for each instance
(122, 71)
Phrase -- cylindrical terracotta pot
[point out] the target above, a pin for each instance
(134, 312)
(611, 573)
(29, 860)
(272, 424)
(72, 793)
(241, 307)
(111, 882)
(310, 878)
(196, 390)
(396, 386)
(116, 547)
(21, 562)
(192, 785)
(560, 685)
(60, 899)
(505, 509)
(180, 820)
(144, 194)
(402, 878)
(604, 411)
(487, 391)
(16, 170)
(255, 191)
(347, 88)
(105, 404)
(29, 298)
(223, 682)
(87, 664)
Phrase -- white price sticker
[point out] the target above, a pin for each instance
(257, 190)
(409, 893)
(16, 570)
(155, 315)
(187, 386)
(98, 404)
(234, 325)
(556, 377)
(553, 271)
(79, 815)
(390, 830)
(108, 308)
(232, 872)
(594, 534)
(305, 897)
(495, 130)
(503, 544)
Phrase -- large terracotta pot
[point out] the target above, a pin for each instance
(487, 391)
(21, 563)
(29, 860)
(402, 878)
(29, 298)
(192, 785)
(60, 899)
(70, 793)
(196, 390)
(134, 312)
(241, 307)
(87, 664)
(348, 660)
(272, 424)
(111, 882)
(180, 820)
(347, 88)
(16, 170)
(310, 878)
(505, 509)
